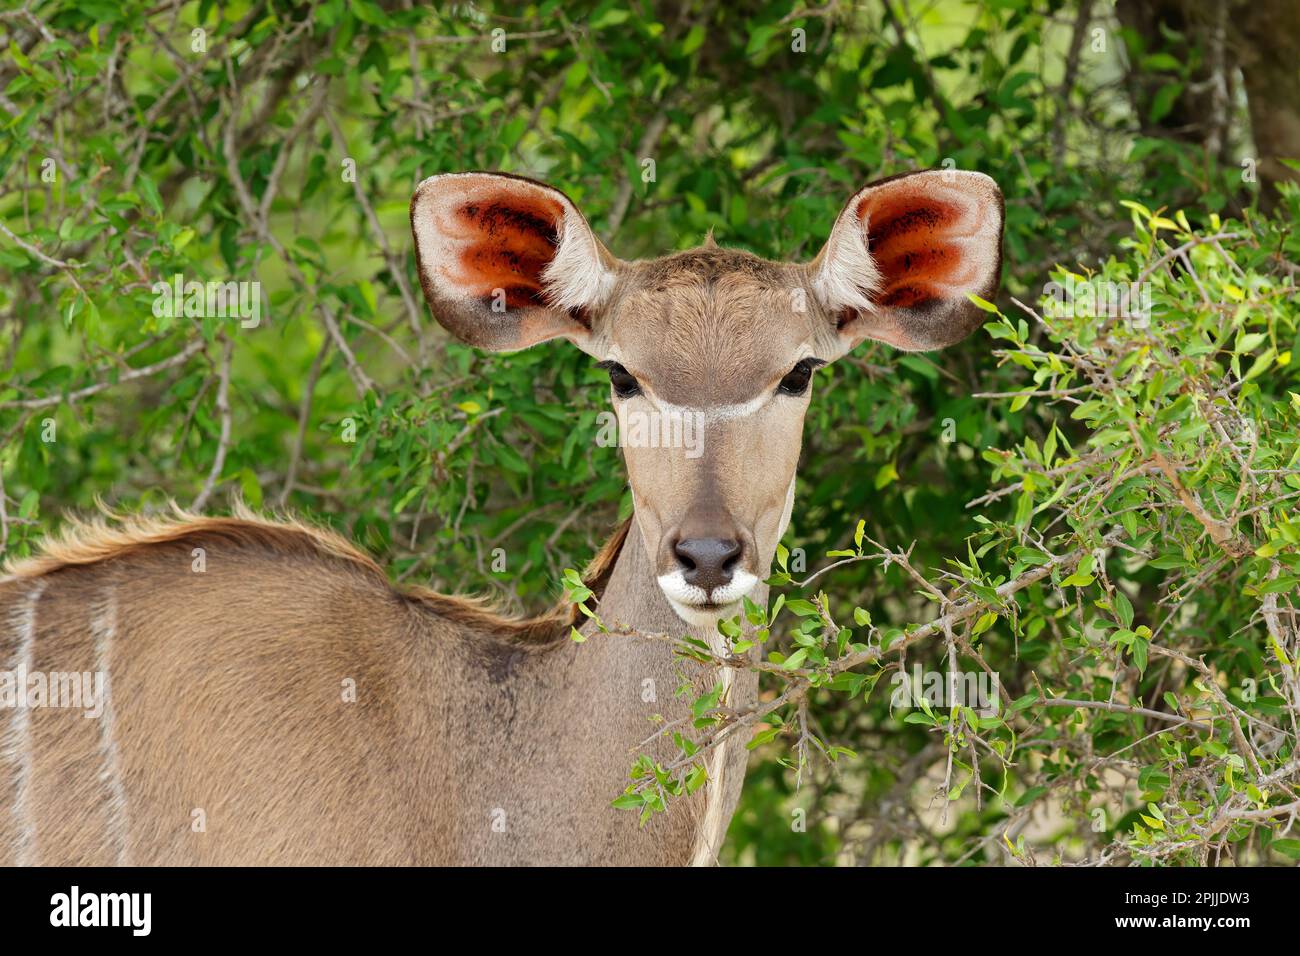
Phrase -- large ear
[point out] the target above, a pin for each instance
(903, 255)
(507, 262)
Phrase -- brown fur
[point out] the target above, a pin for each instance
(227, 698)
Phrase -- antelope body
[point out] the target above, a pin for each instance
(269, 697)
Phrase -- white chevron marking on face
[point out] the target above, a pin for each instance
(713, 414)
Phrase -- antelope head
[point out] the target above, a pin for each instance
(716, 346)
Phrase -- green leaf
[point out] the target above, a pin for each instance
(696, 778)
(801, 607)
(886, 475)
(1288, 847)
(149, 192)
(693, 40)
(1164, 101)
(1123, 608)
(1030, 795)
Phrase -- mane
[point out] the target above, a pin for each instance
(111, 536)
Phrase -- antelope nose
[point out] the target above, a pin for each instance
(707, 563)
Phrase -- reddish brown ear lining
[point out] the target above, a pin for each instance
(908, 296)
(909, 237)
(901, 214)
(512, 240)
(513, 215)
(484, 269)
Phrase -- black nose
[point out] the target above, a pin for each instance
(707, 563)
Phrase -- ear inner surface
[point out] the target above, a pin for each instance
(506, 262)
(932, 238)
(506, 242)
(917, 241)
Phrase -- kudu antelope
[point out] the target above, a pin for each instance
(473, 738)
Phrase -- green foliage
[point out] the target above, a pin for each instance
(1142, 470)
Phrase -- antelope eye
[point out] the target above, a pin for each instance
(797, 379)
(625, 386)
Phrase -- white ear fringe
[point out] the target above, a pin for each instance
(847, 277)
(577, 276)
